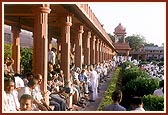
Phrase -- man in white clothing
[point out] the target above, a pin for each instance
(94, 83)
(137, 104)
(52, 56)
(11, 96)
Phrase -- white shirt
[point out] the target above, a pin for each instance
(139, 109)
(19, 82)
(23, 90)
(12, 100)
(5, 102)
(37, 93)
(51, 57)
(158, 92)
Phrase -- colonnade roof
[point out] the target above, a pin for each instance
(23, 15)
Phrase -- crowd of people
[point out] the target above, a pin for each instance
(23, 93)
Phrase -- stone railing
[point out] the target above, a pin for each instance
(91, 16)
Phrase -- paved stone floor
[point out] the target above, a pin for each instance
(93, 106)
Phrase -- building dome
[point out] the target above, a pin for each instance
(119, 29)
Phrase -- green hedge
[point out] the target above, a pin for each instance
(112, 86)
(141, 86)
(138, 87)
(138, 83)
(153, 103)
(124, 65)
(132, 73)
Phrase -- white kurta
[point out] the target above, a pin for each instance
(51, 57)
(94, 83)
(12, 100)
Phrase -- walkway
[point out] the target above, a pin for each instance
(93, 106)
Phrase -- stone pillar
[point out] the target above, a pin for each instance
(123, 38)
(97, 51)
(72, 61)
(40, 43)
(115, 38)
(65, 51)
(127, 53)
(109, 54)
(100, 51)
(92, 50)
(16, 49)
(110, 51)
(78, 47)
(65, 46)
(105, 51)
(87, 48)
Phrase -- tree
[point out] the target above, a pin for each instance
(135, 41)
(150, 44)
(112, 37)
(7, 50)
(26, 59)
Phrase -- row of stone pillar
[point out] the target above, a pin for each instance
(94, 49)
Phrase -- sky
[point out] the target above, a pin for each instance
(145, 18)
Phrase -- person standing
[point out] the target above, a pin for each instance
(137, 104)
(52, 56)
(94, 83)
(160, 90)
(114, 106)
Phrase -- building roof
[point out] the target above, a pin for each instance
(119, 29)
(122, 46)
(153, 48)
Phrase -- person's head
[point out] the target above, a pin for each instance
(39, 78)
(32, 84)
(83, 70)
(91, 68)
(50, 80)
(136, 102)
(6, 59)
(9, 85)
(54, 75)
(10, 61)
(50, 66)
(29, 76)
(61, 72)
(117, 96)
(53, 49)
(26, 102)
(78, 70)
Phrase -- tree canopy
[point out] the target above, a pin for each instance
(135, 41)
